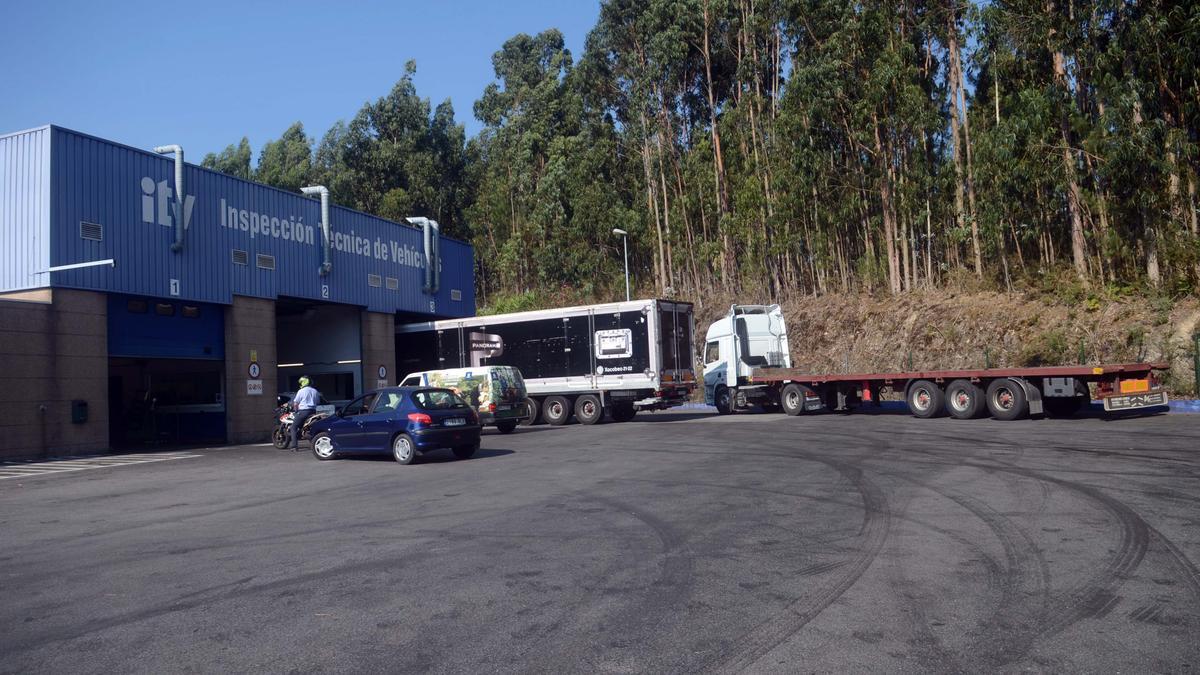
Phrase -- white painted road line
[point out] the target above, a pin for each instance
(31, 469)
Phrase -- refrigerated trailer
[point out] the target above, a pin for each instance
(747, 362)
(581, 362)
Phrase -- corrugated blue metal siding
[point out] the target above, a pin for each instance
(24, 209)
(125, 190)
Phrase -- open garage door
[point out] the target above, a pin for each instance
(166, 372)
(323, 342)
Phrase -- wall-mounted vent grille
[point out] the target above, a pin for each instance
(374, 280)
(91, 231)
(240, 257)
(393, 284)
(265, 262)
(455, 294)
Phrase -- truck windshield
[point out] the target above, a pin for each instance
(438, 399)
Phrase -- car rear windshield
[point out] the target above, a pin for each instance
(438, 399)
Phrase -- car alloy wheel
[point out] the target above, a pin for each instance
(323, 446)
(403, 450)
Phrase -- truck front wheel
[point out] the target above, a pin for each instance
(793, 398)
(925, 399)
(723, 400)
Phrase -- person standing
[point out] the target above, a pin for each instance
(304, 404)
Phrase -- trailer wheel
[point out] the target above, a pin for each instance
(1006, 399)
(533, 410)
(557, 410)
(588, 409)
(722, 400)
(793, 398)
(622, 412)
(925, 399)
(964, 400)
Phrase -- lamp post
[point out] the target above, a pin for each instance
(624, 239)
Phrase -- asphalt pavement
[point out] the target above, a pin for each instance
(679, 542)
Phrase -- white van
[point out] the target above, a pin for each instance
(497, 393)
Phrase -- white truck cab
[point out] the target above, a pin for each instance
(749, 338)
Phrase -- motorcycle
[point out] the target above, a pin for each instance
(281, 437)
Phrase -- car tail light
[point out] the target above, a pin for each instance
(420, 418)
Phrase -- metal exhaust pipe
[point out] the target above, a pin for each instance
(327, 264)
(431, 234)
(179, 195)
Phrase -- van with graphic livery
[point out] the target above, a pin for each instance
(497, 393)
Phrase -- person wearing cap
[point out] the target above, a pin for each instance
(304, 404)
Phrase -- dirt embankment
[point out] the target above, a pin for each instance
(861, 332)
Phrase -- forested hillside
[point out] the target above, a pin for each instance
(761, 148)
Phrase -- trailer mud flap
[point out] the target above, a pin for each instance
(1033, 394)
(1135, 401)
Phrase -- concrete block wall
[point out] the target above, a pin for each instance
(249, 326)
(378, 348)
(53, 350)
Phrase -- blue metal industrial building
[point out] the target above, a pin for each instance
(211, 304)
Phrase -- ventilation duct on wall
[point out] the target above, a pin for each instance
(179, 194)
(326, 264)
(431, 233)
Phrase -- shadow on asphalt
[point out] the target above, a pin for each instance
(434, 457)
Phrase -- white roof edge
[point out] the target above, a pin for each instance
(44, 127)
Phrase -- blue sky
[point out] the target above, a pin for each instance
(203, 74)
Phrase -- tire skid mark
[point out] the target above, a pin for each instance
(1025, 589)
(931, 653)
(1096, 595)
(676, 578)
(1023, 583)
(876, 523)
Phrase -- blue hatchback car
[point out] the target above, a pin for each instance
(405, 421)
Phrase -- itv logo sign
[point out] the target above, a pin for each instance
(159, 205)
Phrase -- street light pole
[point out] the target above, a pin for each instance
(625, 240)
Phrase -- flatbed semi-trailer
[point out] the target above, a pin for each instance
(747, 362)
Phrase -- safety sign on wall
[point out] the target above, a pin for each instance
(254, 385)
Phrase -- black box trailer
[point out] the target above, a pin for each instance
(618, 356)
